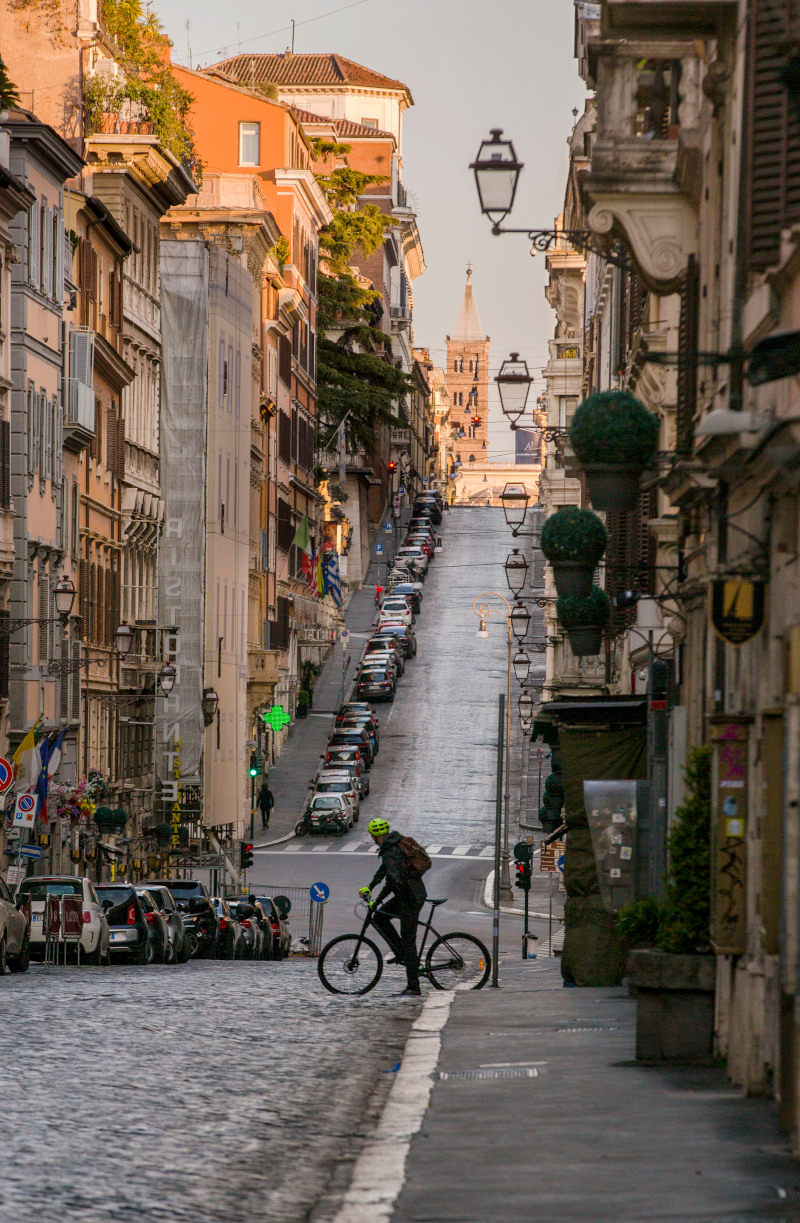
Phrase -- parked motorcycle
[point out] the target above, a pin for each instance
(320, 821)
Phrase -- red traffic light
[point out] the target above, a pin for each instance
(391, 466)
(476, 420)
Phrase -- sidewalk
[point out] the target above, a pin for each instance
(539, 1112)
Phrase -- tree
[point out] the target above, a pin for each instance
(8, 91)
(356, 375)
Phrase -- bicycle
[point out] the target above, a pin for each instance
(353, 964)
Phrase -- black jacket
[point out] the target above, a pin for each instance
(393, 872)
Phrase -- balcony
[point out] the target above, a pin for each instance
(400, 316)
(645, 164)
(628, 18)
(400, 437)
(79, 425)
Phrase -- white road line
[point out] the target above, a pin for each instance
(380, 1169)
(320, 849)
(433, 849)
(352, 849)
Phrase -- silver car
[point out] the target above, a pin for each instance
(15, 944)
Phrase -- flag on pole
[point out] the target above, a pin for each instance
(45, 748)
(332, 580)
(318, 583)
(302, 540)
(54, 757)
(28, 762)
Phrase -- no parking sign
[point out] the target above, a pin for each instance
(6, 775)
(25, 810)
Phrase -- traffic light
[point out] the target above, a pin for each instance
(523, 855)
(253, 765)
(392, 466)
(245, 855)
(476, 420)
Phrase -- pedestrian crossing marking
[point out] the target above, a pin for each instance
(433, 849)
(461, 850)
(369, 847)
(487, 852)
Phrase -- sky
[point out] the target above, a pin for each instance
(471, 65)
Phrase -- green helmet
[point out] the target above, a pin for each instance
(378, 828)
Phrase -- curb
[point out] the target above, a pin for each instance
(488, 900)
(266, 844)
(380, 1170)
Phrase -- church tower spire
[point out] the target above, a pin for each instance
(468, 380)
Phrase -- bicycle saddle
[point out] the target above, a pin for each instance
(434, 903)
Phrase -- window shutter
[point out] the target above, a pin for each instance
(622, 532)
(5, 465)
(86, 266)
(94, 444)
(111, 439)
(34, 245)
(47, 433)
(81, 356)
(84, 593)
(285, 361)
(94, 278)
(64, 685)
(238, 385)
(687, 357)
(47, 252)
(112, 298)
(58, 241)
(222, 376)
(77, 680)
(120, 303)
(58, 440)
(4, 659)
(36, 425)
(31, 431)
(119, 470)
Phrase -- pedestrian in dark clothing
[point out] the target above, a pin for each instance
(265, 802)
(407, 898)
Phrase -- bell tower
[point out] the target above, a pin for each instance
(468, 380)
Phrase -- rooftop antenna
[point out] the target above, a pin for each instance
(189, 41)
(293, 36)
(238, 40)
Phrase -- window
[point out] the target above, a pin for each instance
(373, 123)
(249, 144)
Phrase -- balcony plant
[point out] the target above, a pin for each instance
(670, 966)
(614, 438)
(573, 541)
(584, 620)
(110, 819)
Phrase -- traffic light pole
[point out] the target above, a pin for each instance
(498, 822)
(525, 932)
(252, 806)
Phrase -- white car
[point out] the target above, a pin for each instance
(414, 554)
(95, 934)
(397, 603)
(395, 615)
(330, 804)
(335, 781)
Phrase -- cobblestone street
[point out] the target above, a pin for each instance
(215, 1091)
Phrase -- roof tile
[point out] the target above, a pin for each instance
(323, 68)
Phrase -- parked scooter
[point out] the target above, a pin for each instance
(320, 821)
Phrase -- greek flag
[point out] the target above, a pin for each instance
(330, 577)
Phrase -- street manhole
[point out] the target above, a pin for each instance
(528, 1072)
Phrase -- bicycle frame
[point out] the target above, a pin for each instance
(428, 927)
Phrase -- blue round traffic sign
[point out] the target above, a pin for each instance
(560, 863)
(26, 802)
(319, 892)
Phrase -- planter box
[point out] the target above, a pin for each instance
(613, 486)
(573, 578)
(585, 640)
(674, 1005)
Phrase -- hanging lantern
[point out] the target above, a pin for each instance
(516, 568)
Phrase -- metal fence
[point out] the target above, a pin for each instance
(305, 916)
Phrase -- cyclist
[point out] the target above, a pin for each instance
(407, 898)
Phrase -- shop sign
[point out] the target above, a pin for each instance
(736, 608)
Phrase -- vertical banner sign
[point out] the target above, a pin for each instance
(729, 835)
(184, 390)
(341, 451)
(528, 447)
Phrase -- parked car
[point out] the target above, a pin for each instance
(404, 634)
(334, 756)
(282, 939)
(356, 707)
(358, 722)
(377, 684)
(424, 525)
(420, 540)
(396, 609)
(389, 638)
(354, 768)
(95, 937)
(15, 940)
(132, 937)
(353, 738)
(199, 915)
(411, 591)
(340, 782)
(415, 554)
(180, 947)
(322, 806)
(230, 945)
(158, 923)
(377, 645)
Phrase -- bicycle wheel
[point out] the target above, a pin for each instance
(348, 965)
(458, 961)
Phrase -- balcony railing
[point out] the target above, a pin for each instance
(400, 437)
(401, 315)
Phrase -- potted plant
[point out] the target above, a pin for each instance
(302, 704)
(573, 541)
(111, 819)
(614, 438)
(584, 620)
(669, 966)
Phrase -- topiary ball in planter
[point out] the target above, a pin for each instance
(614, 438)
(573, 541)
(584, 620)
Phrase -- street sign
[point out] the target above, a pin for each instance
(15, 875)
(379, 548)
(25, 810)
(387, 526)
(30, 851)
(550, 857)
(345, 634)
(6, 774)
(319, 892)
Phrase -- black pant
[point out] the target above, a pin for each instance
(265, 814)
(404, 944)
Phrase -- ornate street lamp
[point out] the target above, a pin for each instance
(166, 678)
(522, 665)
(64, 596)
(525, 707)
(520, 621)
(209, 705)
(497, 172)
(513, 385)
(514, 500)
(123, 639)
(516, 568)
